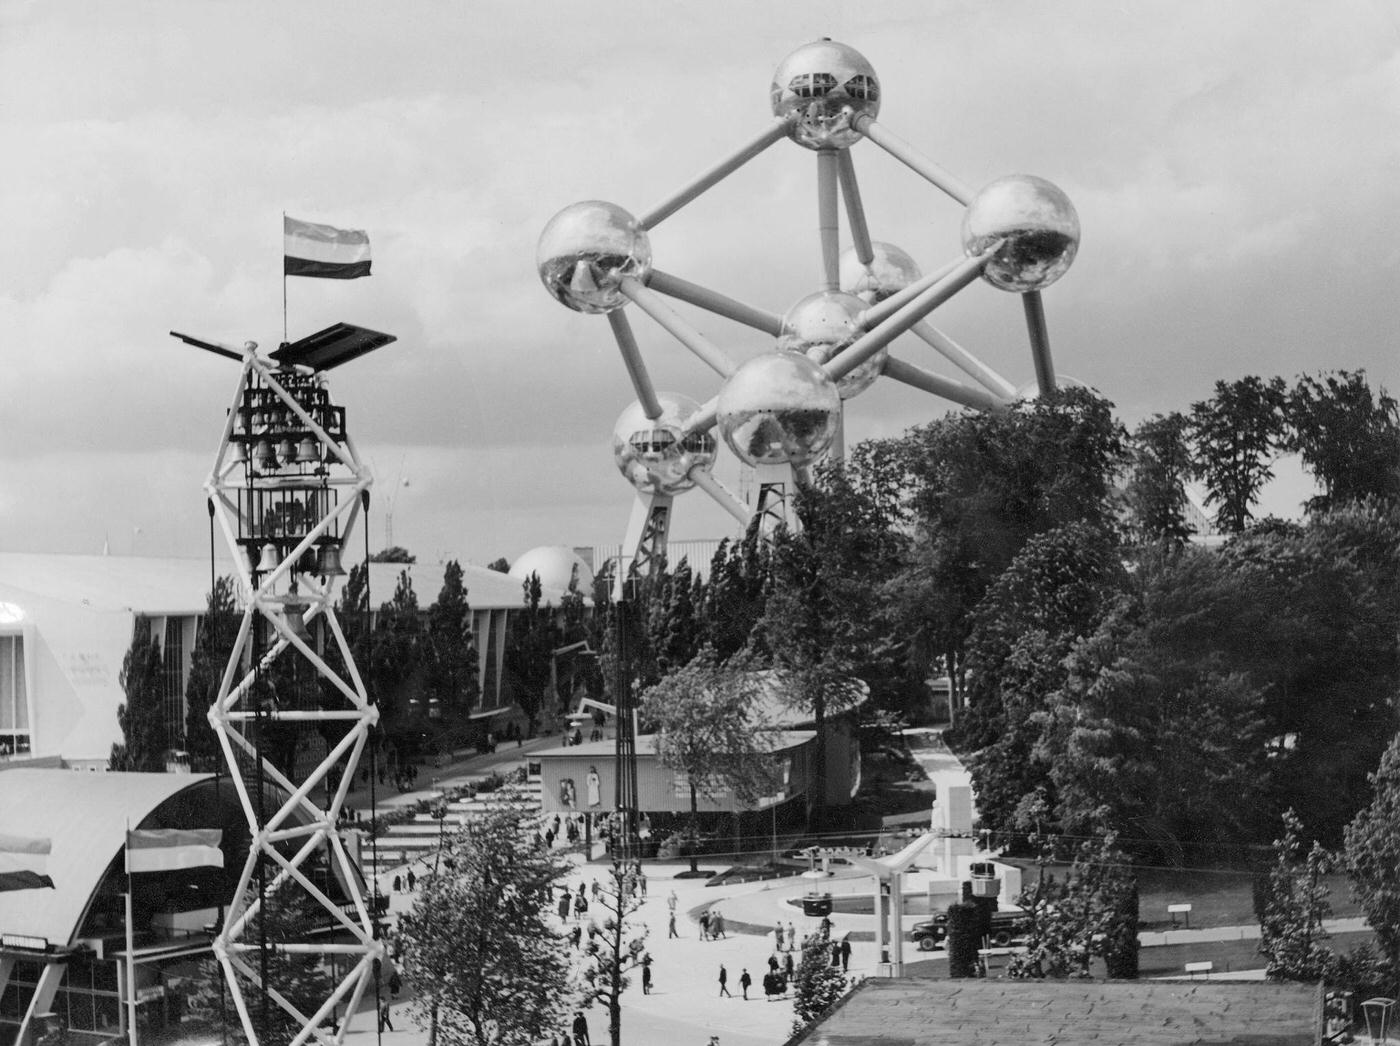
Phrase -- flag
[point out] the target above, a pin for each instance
(323, 250)
(24, 863)
(170, 849)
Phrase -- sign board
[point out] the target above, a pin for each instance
(1177, 909)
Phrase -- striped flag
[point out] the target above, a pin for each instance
(323, 250)
(170, 849)
(24, 863)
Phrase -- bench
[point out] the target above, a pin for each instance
(1193, 968)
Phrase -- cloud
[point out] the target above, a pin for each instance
(1233, 171)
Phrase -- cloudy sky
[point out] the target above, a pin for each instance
(1234, 167)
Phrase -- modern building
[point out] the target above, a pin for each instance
(581, 778)
(63, 951)
(67, 621)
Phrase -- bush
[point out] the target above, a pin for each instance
(964, 920)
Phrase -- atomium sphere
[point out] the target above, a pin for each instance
(821, 325)
(585, 251)
(890, 271)
(827, 85)
(1038, 223)
(779, 408)
(651, 453)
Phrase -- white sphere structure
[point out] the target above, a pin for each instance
(820, 326)
(1038, 223)
(556, 565)
(779, 408)
(654, 454)
(584, 252)
(785, 407)
(821, 88)
(889, 270)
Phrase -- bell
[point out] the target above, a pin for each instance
(296, 623)
(270, 559)
(330, 561)
(264, 456)
(286, 451)
(308, 451)
(237, 452)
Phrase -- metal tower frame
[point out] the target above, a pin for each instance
(287, 489)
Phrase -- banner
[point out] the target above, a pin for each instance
(323, 251)
(171, 849)
(24, 863)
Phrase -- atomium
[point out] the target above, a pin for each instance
(783, 408)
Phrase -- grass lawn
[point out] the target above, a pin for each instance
(1218, 897)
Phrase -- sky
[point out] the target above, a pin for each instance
(1234, 167)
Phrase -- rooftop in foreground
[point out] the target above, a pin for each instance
(1031, 1013)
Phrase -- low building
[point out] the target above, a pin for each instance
(67, 621)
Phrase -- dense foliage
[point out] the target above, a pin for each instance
(486, 965)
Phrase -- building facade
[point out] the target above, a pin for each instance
(67, 622)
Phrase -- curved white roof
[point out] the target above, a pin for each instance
(86, 816)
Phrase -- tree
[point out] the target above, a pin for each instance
(979, 487)
(393, 554)
(500, 565)
(1092, 912)
(1235, 435)
(530, 650)
(1373, 855)
(619, 950)
(450, 662)
(1315, 624)
(736, 593)
(395, 657)
(1291, 932)
(1053, 594)
(1156, 491)
(817, 984)
(486, 965)
(1348, 437)
(1150, 733)
(141, 718)
(709, 729)
(212, 646)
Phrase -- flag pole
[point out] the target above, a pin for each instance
(284, 278)
(130, 947)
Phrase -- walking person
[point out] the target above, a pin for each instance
(724, 983)
(744, 981)
(791, 937)
(672, 900)
(705, 925)
(778, 937)
(581, 1029)
(564, 898)
(412, 879)
(672, 927)
(717, 924)
(646, 978)
(398, 884)
(385, 1017)
(845, 953)
(787, 965)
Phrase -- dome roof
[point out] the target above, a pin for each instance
(556, 566)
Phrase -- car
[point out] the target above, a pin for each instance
(1007, 925)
